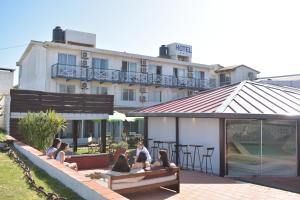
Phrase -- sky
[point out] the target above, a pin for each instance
(262, 34)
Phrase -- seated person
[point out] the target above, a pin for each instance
(121, 164)
(164, 159)
(141, 162)
(51, 150)
(142, 148)
(60, 156)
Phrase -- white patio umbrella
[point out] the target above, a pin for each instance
(117, 117)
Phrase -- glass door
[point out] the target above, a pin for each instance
(243, 147)
(261, 147)
(279, 151)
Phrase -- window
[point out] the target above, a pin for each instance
(155, 96)
(66, 59)
(154, 69)
(99, 90)
(128, 95)
(66, 88)
(99, 63)
(129, 66)
(199, 75)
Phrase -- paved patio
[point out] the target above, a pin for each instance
(195, 185)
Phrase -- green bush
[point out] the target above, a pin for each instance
(114, 146)
(39, 129)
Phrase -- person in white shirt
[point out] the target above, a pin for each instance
(142, 148)
(51, 150)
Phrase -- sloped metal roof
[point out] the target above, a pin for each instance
(245, 98)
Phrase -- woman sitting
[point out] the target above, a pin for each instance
(51, 150)
(141, 162)
(60, 156)
(121, 164)
(164, 159)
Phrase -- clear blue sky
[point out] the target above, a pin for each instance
(263, 34)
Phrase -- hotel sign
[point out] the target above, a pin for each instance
(180, 49)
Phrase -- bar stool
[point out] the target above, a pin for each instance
(170, 148)
(208, 155)
(174, 154)
(186, 156)
(197, 150)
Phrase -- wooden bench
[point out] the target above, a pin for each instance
(156, 175)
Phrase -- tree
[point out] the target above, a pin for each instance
(39, 129)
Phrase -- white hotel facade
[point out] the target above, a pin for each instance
(71, 63)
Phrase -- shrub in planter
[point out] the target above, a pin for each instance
(39, 129)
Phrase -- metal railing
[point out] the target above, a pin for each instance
(116, 76)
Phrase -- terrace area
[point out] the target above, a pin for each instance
(195, 185)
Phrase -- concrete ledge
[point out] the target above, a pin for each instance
(80, 184)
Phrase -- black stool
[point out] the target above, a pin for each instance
(174, 153)
(170, 148)
(208, 155)
(197, 150)
(186, 155)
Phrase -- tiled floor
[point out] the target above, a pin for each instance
(199, 186)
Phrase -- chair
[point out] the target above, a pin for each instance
(92, 147)
(208, 155)
(117, 153)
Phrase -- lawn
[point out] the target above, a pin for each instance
(14, 187)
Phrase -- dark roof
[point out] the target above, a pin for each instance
(7, 69)
(246, 98)
(233, 67)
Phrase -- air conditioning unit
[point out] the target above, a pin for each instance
(190, 74)
(84, 63)
(85, 55)
(143, 90)
(84, 85)
(142, 99)
(190, 68)
(143, 62)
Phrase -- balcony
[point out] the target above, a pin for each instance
(71, 72)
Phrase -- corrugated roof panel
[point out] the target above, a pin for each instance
(275, 99)
(237, 107)
(245, 104)
(246, 98)
(265, 100)
(250, 96)
(198, 103)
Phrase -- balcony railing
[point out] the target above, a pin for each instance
(116, 76)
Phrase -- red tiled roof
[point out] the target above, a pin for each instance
(204, 102)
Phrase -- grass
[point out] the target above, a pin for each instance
(2, 136)
(13, 185)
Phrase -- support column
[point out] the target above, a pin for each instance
(177, 139)
(103, 135)
(146, 142)
(82, 129)
(298, 147)
(75, 134)
(222, 145)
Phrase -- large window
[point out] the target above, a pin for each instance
(63, 88)
(261, 147)
(66, 59)
(99, 90)
(155, 96)
(199, 75)
(128, 95)
(99, 64)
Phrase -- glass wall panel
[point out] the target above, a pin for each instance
(243, 147)
(279, 153)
